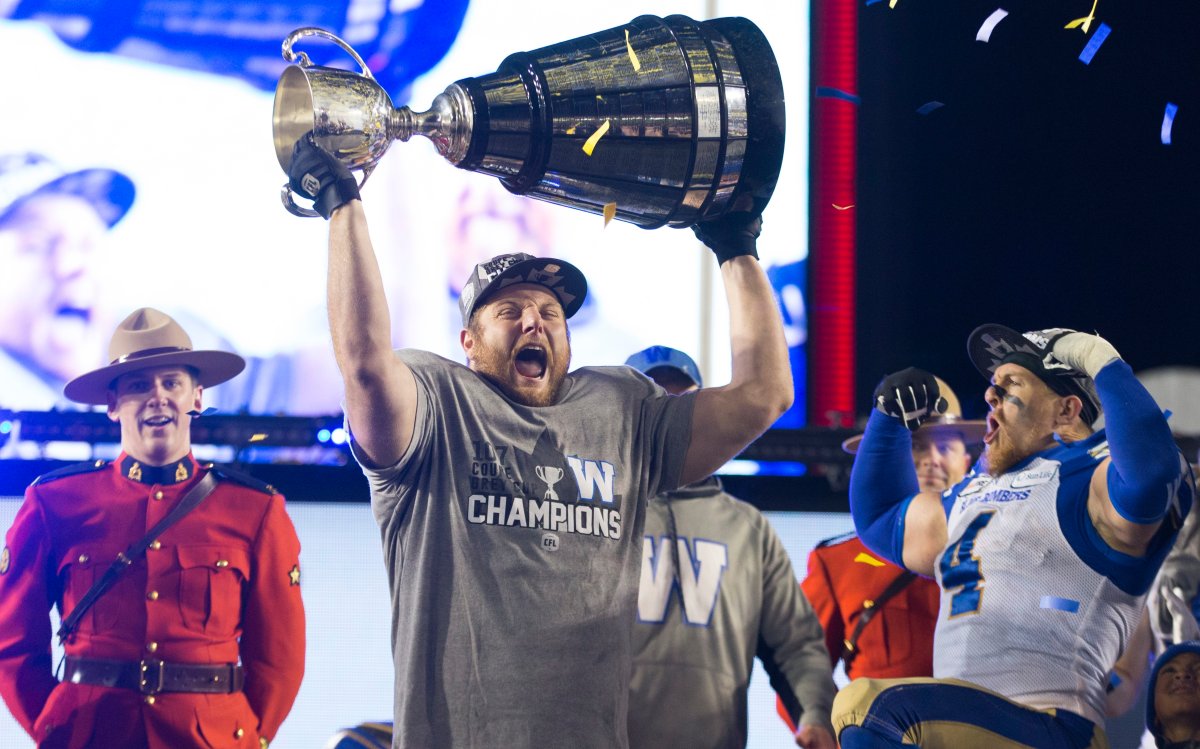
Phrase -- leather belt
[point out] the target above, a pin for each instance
(153, 676)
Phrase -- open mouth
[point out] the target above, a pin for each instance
(992, 427)
(79, 313)
(157, 421)
(531, 362)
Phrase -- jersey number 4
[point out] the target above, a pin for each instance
(962, 569)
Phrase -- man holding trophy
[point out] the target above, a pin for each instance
(511, 493)
(511, 611)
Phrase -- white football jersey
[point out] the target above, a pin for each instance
(1035, 605)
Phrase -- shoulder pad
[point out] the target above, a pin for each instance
(225, 473)
(71, 470)
(836, 540)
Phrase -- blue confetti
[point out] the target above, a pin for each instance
(872, 2)
(1094, 44)
(836, 93)
(1062, 604)
(1168, 121)
(929, 106)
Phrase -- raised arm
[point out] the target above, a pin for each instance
(381, 393)
(728, 418)
(893, 518)
(1133, 490)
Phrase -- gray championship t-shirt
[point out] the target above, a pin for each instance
(513, 538)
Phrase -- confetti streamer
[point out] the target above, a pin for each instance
(825, 92)
(929, 106)
(837, 207)
(868, 559)
(985, 31)
(872, 2)
(610, 212)
(1085, 23)
(891, 3)
(1168, 122)
(1102, 32)
(633, 58)
(594, 138)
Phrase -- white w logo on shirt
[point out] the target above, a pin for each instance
(700, 578)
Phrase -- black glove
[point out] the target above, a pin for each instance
(732, 235)
(911, 395)
(319, 176)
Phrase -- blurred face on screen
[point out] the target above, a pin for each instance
(48, 285)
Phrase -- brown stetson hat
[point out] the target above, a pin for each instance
(950, 422)
(150, 338)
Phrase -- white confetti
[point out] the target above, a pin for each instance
(985, 31)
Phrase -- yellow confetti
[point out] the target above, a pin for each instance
(837, 207)
(891, 3)
(258, 437)
(590, 144)
(1083, 24)
(571, 129)
(610, 212)
(868, 559)
(633, 58)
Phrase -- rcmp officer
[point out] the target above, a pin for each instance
(199, 641)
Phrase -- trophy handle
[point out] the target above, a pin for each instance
(289, 200)
(301, 58)
(290, 204)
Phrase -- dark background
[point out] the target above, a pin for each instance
(1039, 196)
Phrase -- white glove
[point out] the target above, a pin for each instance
(1083, 351)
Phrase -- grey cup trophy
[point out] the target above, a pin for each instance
(671, 120)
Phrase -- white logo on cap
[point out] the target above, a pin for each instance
(1037, 339)
(468, 294)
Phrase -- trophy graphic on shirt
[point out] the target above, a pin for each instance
(662, 121)
(551, 475)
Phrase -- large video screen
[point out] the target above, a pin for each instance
(137, 169)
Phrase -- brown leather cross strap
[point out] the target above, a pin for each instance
(868, 613)
(136, 551)
(153, 676)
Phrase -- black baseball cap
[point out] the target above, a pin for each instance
(991, 345)
(563, 279)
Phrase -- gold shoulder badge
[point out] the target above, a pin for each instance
(293, 574)
(5, 557)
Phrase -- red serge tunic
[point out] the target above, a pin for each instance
(220, 586)
(898, 642)
(843, 574)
